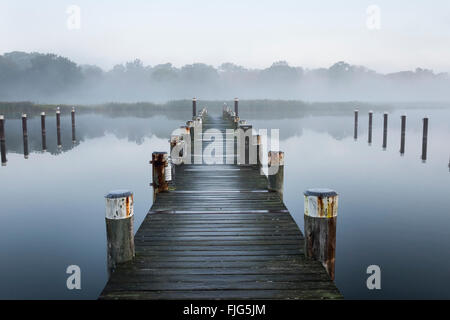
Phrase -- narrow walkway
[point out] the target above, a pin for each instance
(219, 235)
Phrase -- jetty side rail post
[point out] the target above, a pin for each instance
(43, 132)
(257, 141)
(320, 217)
(197, 155)
(159, 163)
(369, 139)
(275, 175)
(190, 125)
(58, 127)
(194, 107)
(185, 144)
(246, 150)
(385, 129)
(2, 140)
(72, 114)
(355, 132)
(119, 227)
(424, 139)
(402, 134)
(25, 135)
(236, 106)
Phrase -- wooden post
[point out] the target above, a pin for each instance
(119, 227)
(320, 227)
(258, 149)
(424, 139)
(402, 135)
(43, 132)
(236, 106)
(58, 127)
(2, 140)
(275, 175)
(190, 125)
(74, 139)
(370, 127)
(159, 164)
(245, 144)
(355, 131)
(25, 135)
(385, 129)
(194, 107)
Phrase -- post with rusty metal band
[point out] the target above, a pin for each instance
(74, 139)
(385, 129)
(159, 163)
(424, 139)
(369, 139)
(402, 135)
(355, 131)
(119, 227)
(43, 132)
(236, 106)
(320, 227)
(25, 136)
(275, 175)
(2, 140)
(194, 107)
(58, 127)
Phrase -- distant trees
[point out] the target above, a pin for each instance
(51, 78)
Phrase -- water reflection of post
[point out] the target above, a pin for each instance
(385, 128)
(355, 131)
(2, 140)
(58, 127)
(370, 127)
(424, 139)
(74, 139)
(320, 226)
(43, 132)
(25, 136)
(402, 135)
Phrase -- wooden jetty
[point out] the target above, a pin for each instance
(219, 233)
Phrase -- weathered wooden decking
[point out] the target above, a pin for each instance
(219, 235)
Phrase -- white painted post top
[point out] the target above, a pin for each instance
(321, 203)
(42, 113)
(119, 204)
(2, 117)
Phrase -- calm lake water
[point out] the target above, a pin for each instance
(394, 210)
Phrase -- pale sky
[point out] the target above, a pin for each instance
(253, 33)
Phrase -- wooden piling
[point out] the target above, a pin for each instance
(119, 228)
(355, 131)
(74, 139)
(275, 175)
(159, 163)
(25, 136)
(2, 140)
(369, 140)
(245, 145)
(258, 149)
(320, 217)
(43, 132)
(385, 129)
(190, 125)
(402, 134)
(58, 127)
(424, 139)
(194, 107)
(236, 106)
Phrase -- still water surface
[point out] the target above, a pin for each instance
(394, 210)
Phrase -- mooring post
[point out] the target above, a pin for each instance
(159, 163)
(236, 106)
(402, 134)
(258, 149)
(2, 140)
(119, 227)
(25, 135)
(320, 226)
(424, 139)
(194, 107)
(190, 124)
(43, 132)
(58, 127)
(275, 174)
(245, 144)
(370, 127)
(385, 129)
(355, 132)
(74, 139)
